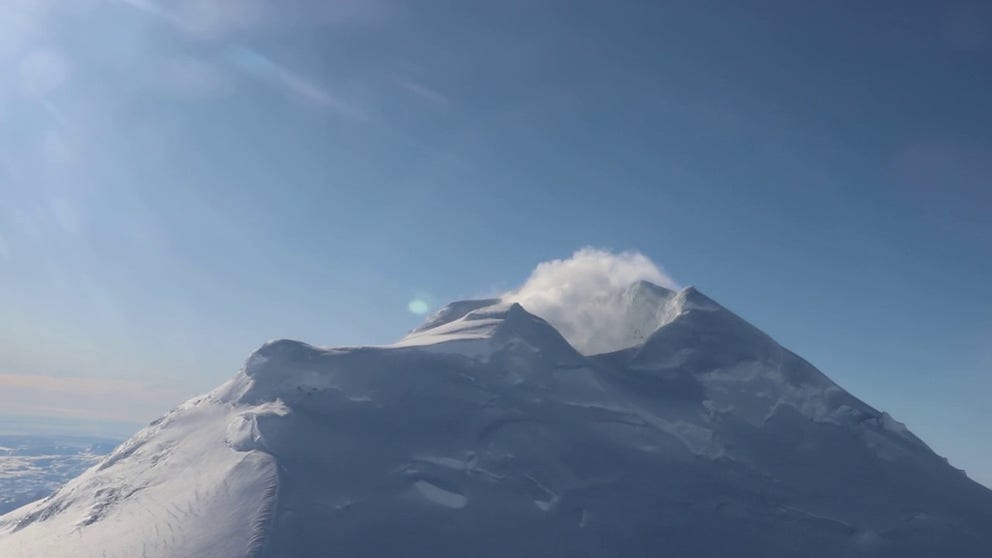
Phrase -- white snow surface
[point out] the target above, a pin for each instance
(485, 433)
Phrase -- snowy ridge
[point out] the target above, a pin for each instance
(158, 488)
(454, 311)
(485, 432)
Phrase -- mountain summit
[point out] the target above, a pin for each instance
(683, 431)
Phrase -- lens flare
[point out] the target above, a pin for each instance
(418, 307)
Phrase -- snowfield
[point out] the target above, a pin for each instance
(485, 433)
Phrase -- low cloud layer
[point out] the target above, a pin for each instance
(580, 296)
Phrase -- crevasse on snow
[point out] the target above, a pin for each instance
(485, 433)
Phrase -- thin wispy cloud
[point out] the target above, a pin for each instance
(153, 9)
(423, 91)
(258, 66)
(214, 21)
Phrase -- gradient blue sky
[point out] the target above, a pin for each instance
(182, 180)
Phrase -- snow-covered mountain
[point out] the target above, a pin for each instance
(485, 433)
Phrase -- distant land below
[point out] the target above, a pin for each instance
(35, 465)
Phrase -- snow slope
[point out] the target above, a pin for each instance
(485, 433)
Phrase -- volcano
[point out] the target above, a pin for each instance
(485, 433)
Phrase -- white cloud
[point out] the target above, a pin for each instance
(580, 296)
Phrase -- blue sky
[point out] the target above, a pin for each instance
(180, 181)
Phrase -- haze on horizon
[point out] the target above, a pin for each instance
(182, 181)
